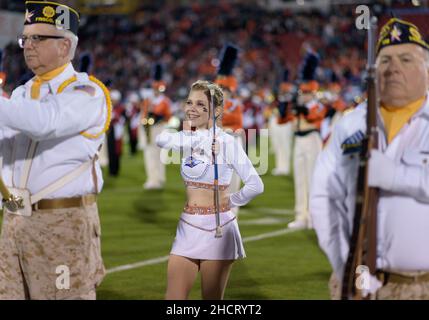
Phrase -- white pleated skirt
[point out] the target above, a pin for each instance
(195, 238)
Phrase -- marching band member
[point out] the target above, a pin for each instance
(195, 247)
(232, 120)
(115, 134)
(335, 107)
(283, 130)
(156, 112)
(132, 119)
(308, 143)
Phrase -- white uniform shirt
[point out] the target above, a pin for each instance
(200, 169)
(55, 121)
(403, 211)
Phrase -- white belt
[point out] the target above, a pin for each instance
(25, 194)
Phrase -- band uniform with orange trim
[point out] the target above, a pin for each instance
(233, 115)
(158, 108)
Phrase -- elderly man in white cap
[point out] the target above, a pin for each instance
(50, 132)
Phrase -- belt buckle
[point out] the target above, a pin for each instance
(14, 203)
(19, 203)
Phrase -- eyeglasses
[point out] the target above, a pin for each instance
(35, 39)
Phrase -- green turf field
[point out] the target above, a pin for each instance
(139, 225)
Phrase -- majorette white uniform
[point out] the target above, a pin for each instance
(403, 209)
(54, 121)
(191, 241)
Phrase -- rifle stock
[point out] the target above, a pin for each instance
(363, 241)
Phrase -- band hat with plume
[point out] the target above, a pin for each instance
(53, 13)
(85, 63)
(286, 85)
(228, 61)
(158, 83)
(397, 31)
(334, 83)
(308, 73)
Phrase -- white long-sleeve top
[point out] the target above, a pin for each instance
(403, 211)
(55, 121)
(200, 168)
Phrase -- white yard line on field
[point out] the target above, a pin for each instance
(138, 264)
(165, 258)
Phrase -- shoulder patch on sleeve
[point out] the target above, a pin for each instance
(353, 143)
(85, 88)
(91, 90)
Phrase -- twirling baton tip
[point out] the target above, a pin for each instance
(211, 89)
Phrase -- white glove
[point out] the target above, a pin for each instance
(374, 285)
(381, 170)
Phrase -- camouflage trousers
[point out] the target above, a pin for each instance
(54, 254)
(403, 291)
(390, 291)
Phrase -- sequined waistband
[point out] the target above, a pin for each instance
(222, 187)
(205, 210)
